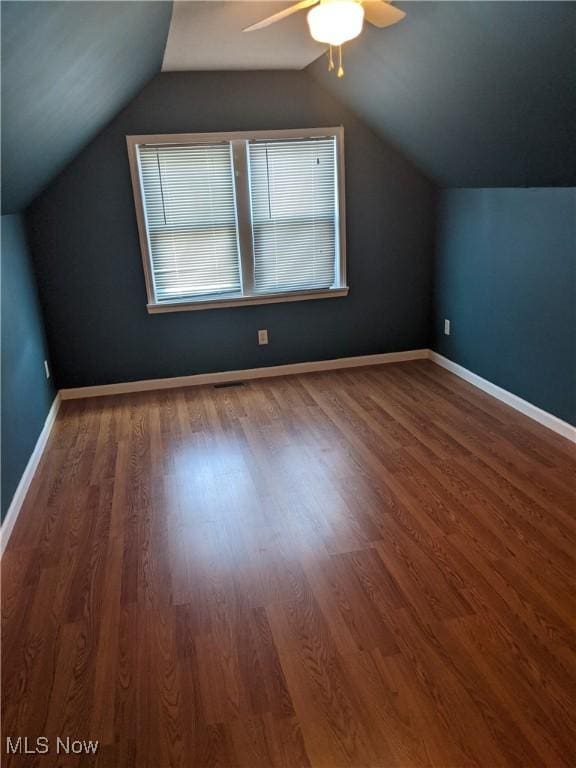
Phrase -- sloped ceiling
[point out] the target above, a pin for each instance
(67, 68)
(478, 94)
(197, 26)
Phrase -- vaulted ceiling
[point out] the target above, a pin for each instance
(477, 93)
(67, 69)
(209, 36)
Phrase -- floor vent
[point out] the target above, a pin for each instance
(229, 384)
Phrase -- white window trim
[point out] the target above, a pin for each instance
(243, 210)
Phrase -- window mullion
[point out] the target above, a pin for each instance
(243, 214)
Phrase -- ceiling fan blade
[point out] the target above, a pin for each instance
(281, 15)
(381, 13)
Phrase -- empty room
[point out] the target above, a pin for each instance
(288, 413)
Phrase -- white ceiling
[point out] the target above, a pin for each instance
(208, 35)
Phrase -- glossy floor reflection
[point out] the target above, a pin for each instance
(365, 568)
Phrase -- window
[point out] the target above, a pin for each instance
(228, 219)
(188, 195)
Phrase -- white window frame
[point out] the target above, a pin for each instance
(238, 141)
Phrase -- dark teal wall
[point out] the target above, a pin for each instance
(26, 393)
(88, 260)
(506, 279)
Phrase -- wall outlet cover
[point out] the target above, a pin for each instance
(263, 337)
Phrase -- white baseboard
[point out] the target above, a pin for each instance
(27, 476)
(223, 377)
(243, 375)
(532, 411)
(542, 417)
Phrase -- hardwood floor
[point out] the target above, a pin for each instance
(367, 568)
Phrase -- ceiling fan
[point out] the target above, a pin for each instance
(335, 22)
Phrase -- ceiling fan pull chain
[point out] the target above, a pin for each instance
(331, 62)
(340, 68)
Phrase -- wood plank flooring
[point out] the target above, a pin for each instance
(366, 568)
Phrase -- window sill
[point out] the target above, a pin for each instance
(243, 301)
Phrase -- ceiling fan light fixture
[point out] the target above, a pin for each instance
(336, 21)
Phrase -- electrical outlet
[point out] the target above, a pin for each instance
(446, 327)
(263, 337)
(46, 369)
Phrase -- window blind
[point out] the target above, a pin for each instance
(190, 211)
(294, 213)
